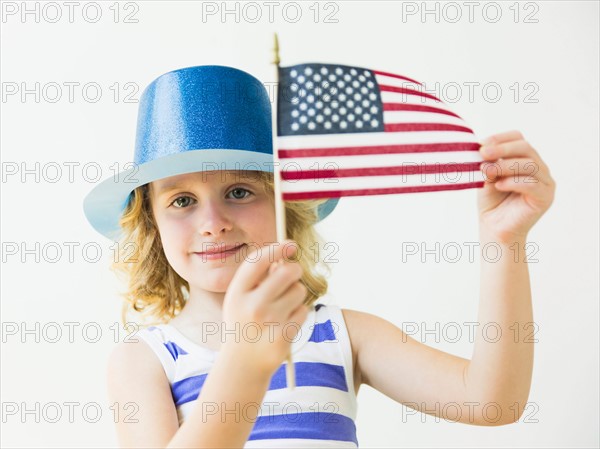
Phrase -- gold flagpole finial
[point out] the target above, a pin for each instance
(276, 50)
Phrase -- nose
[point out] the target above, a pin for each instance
(213, 218)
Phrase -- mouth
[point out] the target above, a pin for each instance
(208, 255)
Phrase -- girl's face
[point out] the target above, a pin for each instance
(199, 211)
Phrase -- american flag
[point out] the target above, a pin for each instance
(350, 131)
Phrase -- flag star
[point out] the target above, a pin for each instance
(303, 119)
(349, 90)
(357, 110)
(308, 71)
(327, 111)
(343, 125)
(311, 112)
(309, 84)
(317, 77)
(359, 124)
(327, 125)
(324, 70)
(319, 104)
(350, 103)
(366, 117)
(350, 117)
(293, 73)
(372, 96)
(355, 83)
(343, 110)
(341, 84)
(347, 77)
(293, 87)
(374, 109)
(366, 73)
(362, 78)
(332, 77)
(310, 98)
(342, 97)
(374, 123)
(295, 113)
(357, 97)
(295, 126)
(303, 107)
(335, 118)
(333, 90)
(366, 103)
(364, 90)
(370, 84)
(311, 125)
(339, 71)
(301, 79)
(319, 118)
(353, 71)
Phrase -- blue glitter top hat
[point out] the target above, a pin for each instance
(202, 118)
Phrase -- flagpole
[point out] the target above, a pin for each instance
(279, 206)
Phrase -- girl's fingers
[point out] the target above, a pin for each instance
(257, 264)
(503, 137)
(522, 184)
(279, 281)
(515, 148)
(526, 167)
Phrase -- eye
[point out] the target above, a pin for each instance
(240, 189)
(181, 198)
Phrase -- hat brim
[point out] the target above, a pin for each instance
(104, 205)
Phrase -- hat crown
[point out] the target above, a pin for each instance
(203, 107)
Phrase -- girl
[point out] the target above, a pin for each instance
(229, 303)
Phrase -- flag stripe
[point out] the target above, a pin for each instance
(381, 182)
(310, 195)
(406, 91)
(395, 97)
(415, 107)
(374, 139)
(393, 75)
(379, 171)
(406, 127)
(422, 117)
(377, 149)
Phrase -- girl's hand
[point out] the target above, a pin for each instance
(518, 188)
(264, 296)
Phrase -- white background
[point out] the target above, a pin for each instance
(558, 54)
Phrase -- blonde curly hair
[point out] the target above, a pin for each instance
(156, 293)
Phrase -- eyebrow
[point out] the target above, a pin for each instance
(174, 185)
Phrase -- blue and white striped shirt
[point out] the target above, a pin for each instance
(319, 412)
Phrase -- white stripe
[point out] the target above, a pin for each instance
(376, 182)
(421, 117)
(371, 139)
(397, 97)
(396, 82)
(378, 160)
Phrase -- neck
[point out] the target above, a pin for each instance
(203, 306)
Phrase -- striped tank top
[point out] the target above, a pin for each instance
(319, 412)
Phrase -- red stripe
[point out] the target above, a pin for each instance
(378, 149)
(416, 107)
(401, 127)
(413, 169)
(393, 75)
(298, 196)
(405, 90)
